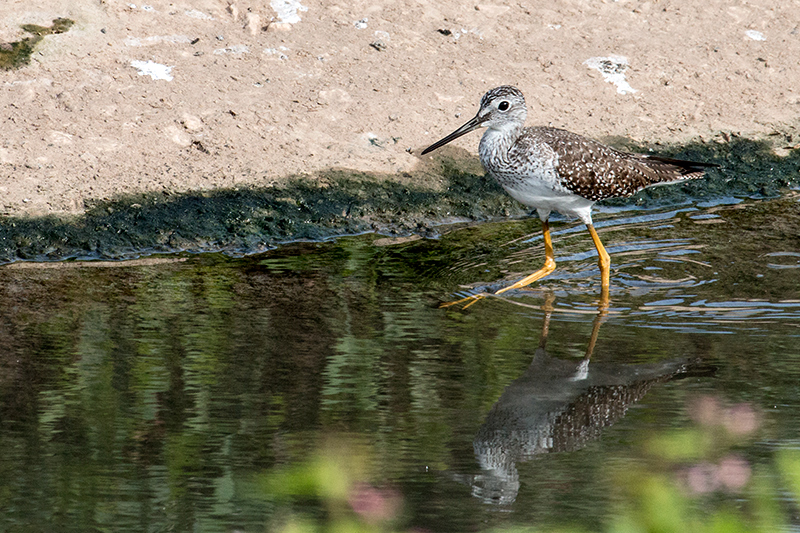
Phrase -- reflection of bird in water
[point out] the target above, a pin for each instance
(556, 406)
(556, 170)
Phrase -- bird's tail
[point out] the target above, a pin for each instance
(668, 169)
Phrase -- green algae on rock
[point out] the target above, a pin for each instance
(18, 54)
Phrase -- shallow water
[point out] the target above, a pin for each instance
(192, 392)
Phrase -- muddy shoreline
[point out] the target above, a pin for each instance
(248, 220)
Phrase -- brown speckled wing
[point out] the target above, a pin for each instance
(595, 171)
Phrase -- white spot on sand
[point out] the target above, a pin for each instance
(155, 39)
(755, 35)
(287, 10)
(152, 69)
(277, 52)
(195, 14)
(361, 24)
(613, 70)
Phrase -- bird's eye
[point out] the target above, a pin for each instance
(503, 106)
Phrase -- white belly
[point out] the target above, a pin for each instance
(544, 198)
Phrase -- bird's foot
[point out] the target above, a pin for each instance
(470, 300)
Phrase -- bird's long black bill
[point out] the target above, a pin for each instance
(473, 124)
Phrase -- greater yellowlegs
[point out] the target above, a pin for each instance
(555, 170)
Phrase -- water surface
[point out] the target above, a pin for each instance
(205, 393)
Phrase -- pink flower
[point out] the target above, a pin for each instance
(373, 504)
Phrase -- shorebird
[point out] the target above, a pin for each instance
(551, 169)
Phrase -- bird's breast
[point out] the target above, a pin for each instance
(527, 170)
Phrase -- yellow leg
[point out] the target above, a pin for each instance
(604, 261)
(549, 266)
(549, 263)
(601, 314)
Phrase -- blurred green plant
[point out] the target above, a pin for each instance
(696, 479)
(331, 492)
